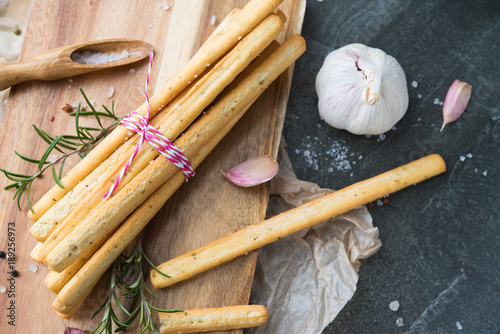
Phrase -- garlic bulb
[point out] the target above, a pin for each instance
(362, 90)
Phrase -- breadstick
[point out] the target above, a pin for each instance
(89, 275)
(91, 272)
(213, 319)
(34, 252)
(306, 215)
(196, 100)
(55, 281)
(134, 193)
(243, 22)
(106, 172)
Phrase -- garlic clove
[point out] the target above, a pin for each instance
(253, 172)
(456, 101)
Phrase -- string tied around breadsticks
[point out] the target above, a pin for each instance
(140, 124)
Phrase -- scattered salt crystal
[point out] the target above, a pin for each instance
(142, 93)
(360, 157)
(368, 136)
(399, 322)
(207, 64)
(53, 157)
(394, 305)
(475, 170)
(33, 268)
(414, 84)
(320, 0)
(485, 173)
(297, 151)
(196, 75)
(394, 128)
(132, 71)
(129, 133)
(131, 82)
(70, 80)
(178, 107)
(69, 86)
(240, 37)
(381, 137)
(351, 174)
(462, 158)
(151, 162)
(330, 169)
(419, 119)
(96, 58)
(150, 25)
(419, 95)
(165, 6)
(459, 326)
(436, 101)
(74, 105)
(110, 92)
(212, 20)
(3, 289)
(469, 155)
(379, 202)
(92, 102)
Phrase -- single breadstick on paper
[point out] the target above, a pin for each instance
(213, 319)
(306, 215)
(194, 103)
(242, 23)
(91, 272)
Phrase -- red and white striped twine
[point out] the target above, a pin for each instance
(140, 124)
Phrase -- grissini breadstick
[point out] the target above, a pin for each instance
(91, 272)
(133, 194)
(79, 286)
(213, 319)
(135, 223)
(196, 100)
(306, 215)
(105, 174)
(56, 281)
(242, 23)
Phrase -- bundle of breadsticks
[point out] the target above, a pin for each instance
(80, 232)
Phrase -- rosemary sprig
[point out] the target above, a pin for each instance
(66, 145)
(137, 291)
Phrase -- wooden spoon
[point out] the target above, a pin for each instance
(62, 62)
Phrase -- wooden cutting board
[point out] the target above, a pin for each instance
(204, 209)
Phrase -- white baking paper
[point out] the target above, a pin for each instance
(304, 280)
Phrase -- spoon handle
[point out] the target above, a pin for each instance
(14, 73)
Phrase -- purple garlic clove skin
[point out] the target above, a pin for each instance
(253, 172)
(456, 101)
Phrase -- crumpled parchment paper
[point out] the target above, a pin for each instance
(305, 279)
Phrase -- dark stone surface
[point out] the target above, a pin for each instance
(441, 238)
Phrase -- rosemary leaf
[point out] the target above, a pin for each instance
(48, 151)
(56, 178)
(35, 161)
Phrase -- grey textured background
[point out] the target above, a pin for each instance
(440, 239)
